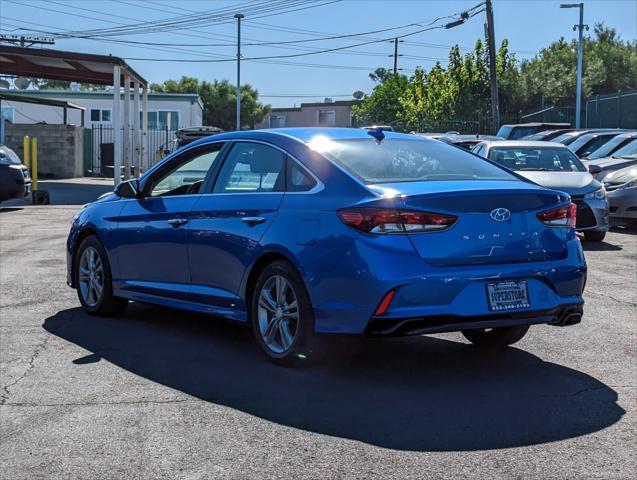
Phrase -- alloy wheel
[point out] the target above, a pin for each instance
(91, 276)
(278, 314)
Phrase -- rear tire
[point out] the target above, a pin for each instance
(496, 337)
(282, 317)
(93, 280)
(594, 236)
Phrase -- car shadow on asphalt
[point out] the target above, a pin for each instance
(600, 246)
(416, 393)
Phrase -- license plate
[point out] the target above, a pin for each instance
(511, 295)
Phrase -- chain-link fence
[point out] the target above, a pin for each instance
(614, 110)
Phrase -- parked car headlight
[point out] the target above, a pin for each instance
(631, 184)
(596, 195)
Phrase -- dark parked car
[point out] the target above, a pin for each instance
(183, 137)
(517, 131)
(569, 137)
(304, 232)
(547, 135)
(15, 181)
(587, 144)
(613, 145)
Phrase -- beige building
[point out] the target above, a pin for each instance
(325, 114)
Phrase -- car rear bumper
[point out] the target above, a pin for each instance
(443, 298)
(564, 315)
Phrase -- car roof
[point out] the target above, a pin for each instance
(476, 137)
(303, 134)
(538, 124)
(524, 143)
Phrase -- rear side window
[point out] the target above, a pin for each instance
(252, 168)
(406, 160)
(298, 180)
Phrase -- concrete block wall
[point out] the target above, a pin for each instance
(60, 147)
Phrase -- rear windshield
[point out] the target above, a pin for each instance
(406, 160)
(550, 159)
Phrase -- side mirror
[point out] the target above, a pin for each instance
(594, 170)
(128, 189)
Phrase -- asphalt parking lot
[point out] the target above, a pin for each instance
(159, 393)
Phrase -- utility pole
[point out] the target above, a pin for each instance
(495, 106)
(238, 16)
(22, 40)
(395, 55)
(580, 55)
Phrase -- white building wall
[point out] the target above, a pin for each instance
(189, 108)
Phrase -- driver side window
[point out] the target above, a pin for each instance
(186, 178)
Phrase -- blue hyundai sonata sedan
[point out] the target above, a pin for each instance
(306, 232)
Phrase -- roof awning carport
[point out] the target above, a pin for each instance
(44, 101)
(101, 70)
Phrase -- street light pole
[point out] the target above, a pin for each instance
(580, 55)
(238, 16)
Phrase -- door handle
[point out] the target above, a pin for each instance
(177, 222)
(253, 220)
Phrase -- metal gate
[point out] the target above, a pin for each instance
(101, 150)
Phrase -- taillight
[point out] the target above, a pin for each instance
(374, 220)
(560, 217)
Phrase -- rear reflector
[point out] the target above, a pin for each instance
(384, 305)
(565, 216)
(374, 220)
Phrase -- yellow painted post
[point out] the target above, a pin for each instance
(34, 160)
(26, 147)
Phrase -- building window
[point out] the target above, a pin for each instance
(100, 115)
(326, 118)
(277, 121)
(162, 119)
(8, 113)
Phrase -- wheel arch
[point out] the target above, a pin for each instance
(84, 233)
(263, 261)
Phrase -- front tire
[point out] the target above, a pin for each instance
(93, 280)
(496, 337)
(594, 236)
(282, 316)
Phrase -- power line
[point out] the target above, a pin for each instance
(293, 55)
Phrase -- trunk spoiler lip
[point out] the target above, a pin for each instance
(444, 187)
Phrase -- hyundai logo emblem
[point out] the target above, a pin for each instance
(500, 214)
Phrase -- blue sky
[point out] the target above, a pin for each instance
(528, 24)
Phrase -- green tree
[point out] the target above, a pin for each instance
(610, 64)
(382, 105)
(219, 98)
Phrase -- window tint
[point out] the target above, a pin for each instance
(537, 158)
(504, 131)
(402, 160)
(186, 178)
(627, 151)
(298, 180)
(252, 167)
(519, 132)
